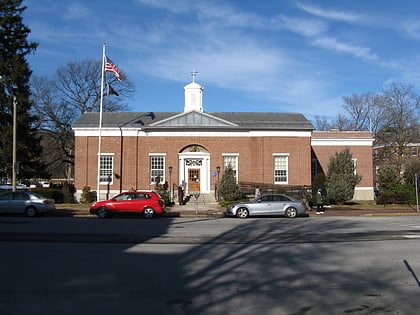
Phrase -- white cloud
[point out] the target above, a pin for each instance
(329, 14)
(412, 28)
(359, 52)
(75, 11)
(304, 27)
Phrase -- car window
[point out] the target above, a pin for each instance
(123, 197)
(280, 198)
(265, 199)
(138, 196)
(6, 196)
(287, 198)
(33, 195)
(20, 196)
(143, 196)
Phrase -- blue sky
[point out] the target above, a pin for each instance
(264, 56)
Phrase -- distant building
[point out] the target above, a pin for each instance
(193, 147)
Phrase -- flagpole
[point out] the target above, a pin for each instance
(98, 191)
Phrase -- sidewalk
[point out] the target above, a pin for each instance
(214, 211)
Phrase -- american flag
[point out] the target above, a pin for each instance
(111, 67)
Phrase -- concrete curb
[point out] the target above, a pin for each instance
(213, 214)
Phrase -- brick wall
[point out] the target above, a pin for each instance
(326, 144)
(255, 157)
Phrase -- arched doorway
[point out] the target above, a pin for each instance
(194, 168)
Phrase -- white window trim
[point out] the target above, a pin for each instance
(163, 179)
(112, 168)
(237, 163)
(288, 172)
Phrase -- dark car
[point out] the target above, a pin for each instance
(275, 204)
(148, 203)
(25, 202)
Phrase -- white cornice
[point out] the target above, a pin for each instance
(342, 142)
(112, 132)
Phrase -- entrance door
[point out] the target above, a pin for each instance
(193, 179)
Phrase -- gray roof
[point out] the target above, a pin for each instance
(197, 120)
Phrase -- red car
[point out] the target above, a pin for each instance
(149, 203)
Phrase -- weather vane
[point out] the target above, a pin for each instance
(193, 74)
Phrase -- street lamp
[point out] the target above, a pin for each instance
(170, 183)
(135, 120)
(109, 179)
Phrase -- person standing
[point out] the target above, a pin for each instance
(305, 195)
(257, 192)
(180, 195)
(319, 202)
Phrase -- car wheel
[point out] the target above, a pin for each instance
(102, 212)
(291, 212)
(242, 213)
(30, 211)
(148, 213)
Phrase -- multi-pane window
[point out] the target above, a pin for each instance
(232, 161)
(281, 166)
(106, 168)
(157, 167)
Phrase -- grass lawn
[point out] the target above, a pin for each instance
(372, 205)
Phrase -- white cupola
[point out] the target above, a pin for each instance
(193, 95)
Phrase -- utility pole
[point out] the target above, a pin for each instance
(14, 146)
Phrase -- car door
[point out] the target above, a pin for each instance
(137, 202)
(19, 201)
(122, 202)
(278, 205)
(5, 199)
(261, 206)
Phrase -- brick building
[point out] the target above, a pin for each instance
(193, 147)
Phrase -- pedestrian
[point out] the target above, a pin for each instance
(319, 202)
(305, 195)
(257, 192)
(180, 195)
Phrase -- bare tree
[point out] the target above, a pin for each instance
(342, 122)
(322, 123)
(75, 89)
(393, 116)
(365, 111)
(400, 125)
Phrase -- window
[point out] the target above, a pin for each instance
(106, 169)
(231, 160)
(157, 167)
(281, 165)
(414, 151)
(355, 166)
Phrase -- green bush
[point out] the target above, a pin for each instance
(281, 190)
(87, 196)
(225, 203)
(50, 193)
(396, 193)
(68, 191)
(341, 178)
(227, 187)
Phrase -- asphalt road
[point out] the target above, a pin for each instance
(328, 265)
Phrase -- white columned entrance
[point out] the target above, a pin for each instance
(194, 172)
